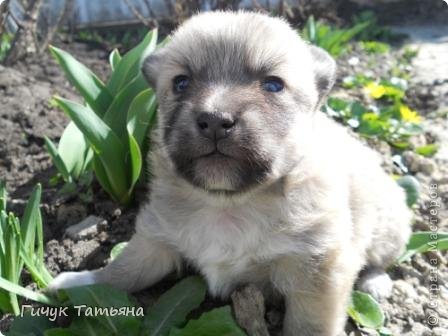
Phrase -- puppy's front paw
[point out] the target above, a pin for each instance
(379, 285)
(71, 279)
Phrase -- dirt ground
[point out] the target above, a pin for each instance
(26, 116)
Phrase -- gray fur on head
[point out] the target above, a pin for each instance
(226, 58)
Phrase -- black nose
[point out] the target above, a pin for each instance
(215, 126)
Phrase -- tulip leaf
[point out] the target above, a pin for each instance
(102, 178)
(73, 150)
(141, 114)
(136, 161)
(57, 160)
(114, 59)
(130, 64)
(116, 115)
(105, 143)
(91, 88)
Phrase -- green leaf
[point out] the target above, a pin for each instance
(218, 321)
(173, 307)
(117, 249)
(30, 325)
(130, 64)
(91, 88)
(57, 160)
(101, 175)
(421, 242)
(141, 114)
(106, 296)
(29, 294)
(31, 220)
(136, 162)
(59, 332)
(365, 311)
(3, 196)
(114, 59)
(412, 188)
(116, 115)
(428, 150)
(73, 150)
(104, 142)
(87, 326)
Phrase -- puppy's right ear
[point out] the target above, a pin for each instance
(151, 67)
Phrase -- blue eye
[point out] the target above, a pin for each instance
(180, 83)
(273, 84)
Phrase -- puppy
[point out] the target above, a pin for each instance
(252, 183)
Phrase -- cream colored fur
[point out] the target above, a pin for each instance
(326, 211)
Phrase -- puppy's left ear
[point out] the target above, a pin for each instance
(324, 70)
(151, 66)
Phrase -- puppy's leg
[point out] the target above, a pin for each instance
(376, 282)
(316, 300)
(142, 263)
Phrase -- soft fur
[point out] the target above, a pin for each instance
(293, 204)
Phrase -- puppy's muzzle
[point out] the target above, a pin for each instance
(215, 126)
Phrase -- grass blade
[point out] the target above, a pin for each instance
(30, 220)
(26, 293)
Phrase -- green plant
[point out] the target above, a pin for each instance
(167, 317)
(21, 244)
(109, 132)
(374, 47)
(367, 313)
(427, 150)
(373, 30)
(332, 39)
(421, 242)
(394, 123)
(5, 44)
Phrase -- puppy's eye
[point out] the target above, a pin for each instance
(273, 84)
(180, 83)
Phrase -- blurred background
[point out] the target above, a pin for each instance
(37, 21)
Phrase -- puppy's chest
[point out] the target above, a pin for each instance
(232, 240)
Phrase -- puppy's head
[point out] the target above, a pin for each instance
(232, 88)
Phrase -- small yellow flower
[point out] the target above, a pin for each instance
(375, 90)
(409, 115)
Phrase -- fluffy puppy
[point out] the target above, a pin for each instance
(251, 183)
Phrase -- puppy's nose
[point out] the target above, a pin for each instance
(215, 126)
